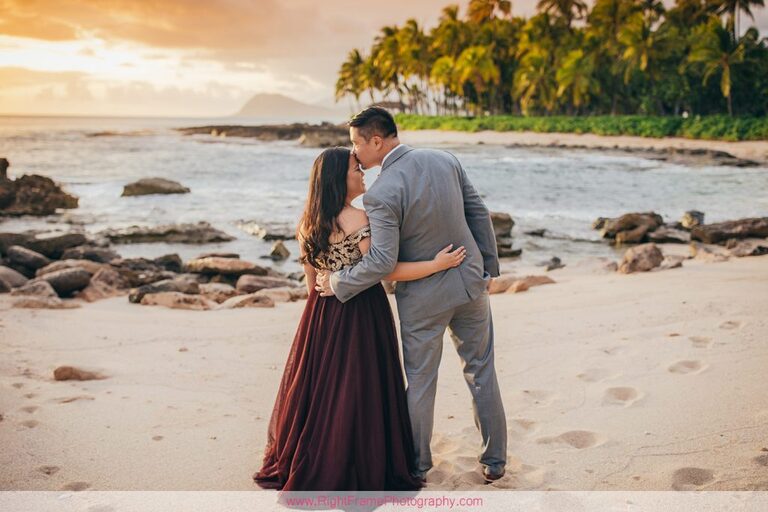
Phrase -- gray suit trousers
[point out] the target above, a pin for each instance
(471, 329)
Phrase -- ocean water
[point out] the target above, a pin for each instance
(234, 180)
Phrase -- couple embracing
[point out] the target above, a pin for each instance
(343, 418)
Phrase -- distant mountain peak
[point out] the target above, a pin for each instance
(280, 106)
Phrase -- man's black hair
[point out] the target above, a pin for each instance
(374, 121)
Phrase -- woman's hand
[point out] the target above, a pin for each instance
(446, 258)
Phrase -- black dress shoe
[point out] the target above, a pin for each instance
(421, 477)
(493, 474)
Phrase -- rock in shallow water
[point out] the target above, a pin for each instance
(199, 233)
(755, 227)
(279, 252)
(147, 186)
(31, 194)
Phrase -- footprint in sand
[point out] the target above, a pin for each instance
(18, 385)
(30, 423)
(49, 470)
(538, 397)
(73, 399)
(685, 367)
(29, 409)
(729, 325)
(688, 479)
(76, 486)
(700, 341)
(761, 460)
(157, 438)
(30, 395)
(521, 428)
(596, 375)
(579, 439)
(442, 445)
(625, 396)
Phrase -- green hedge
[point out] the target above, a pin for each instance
(718, 127)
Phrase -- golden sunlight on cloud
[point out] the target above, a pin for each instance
(183, 57)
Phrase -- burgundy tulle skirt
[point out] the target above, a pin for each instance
(340, 420)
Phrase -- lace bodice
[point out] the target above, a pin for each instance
(346, 252)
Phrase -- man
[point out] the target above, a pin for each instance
(421, 201)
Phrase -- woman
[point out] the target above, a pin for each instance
(340, 420)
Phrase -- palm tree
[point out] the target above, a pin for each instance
(733, 8)
(604, 23)
(350, 74)
(414, 58)
(568, 10)
(689, 13)
(475, 66)
(443, 76)
(450, 36)
(645, 49)
(480, 11)
(386, 62)
(534, 83)
(576, 76)
(371, 78)
(714, 49)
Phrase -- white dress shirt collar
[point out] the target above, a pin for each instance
(390, 152)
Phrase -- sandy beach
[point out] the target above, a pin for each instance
(648, 381)
(749, 150)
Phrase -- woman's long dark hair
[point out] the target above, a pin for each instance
(327, 193)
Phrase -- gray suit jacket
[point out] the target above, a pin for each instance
(421, 202)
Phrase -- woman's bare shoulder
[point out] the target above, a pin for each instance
(352, 219)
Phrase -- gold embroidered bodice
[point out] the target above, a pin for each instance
(346, 252)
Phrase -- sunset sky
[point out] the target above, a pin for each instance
(188, 57)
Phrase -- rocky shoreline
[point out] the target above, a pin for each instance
(310, 135)
(684, 156)
(49, 271)
(54, 269)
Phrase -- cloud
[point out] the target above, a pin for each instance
(307, 37)
(17, 77)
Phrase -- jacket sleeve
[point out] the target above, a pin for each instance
(479, 221)
(381, 258)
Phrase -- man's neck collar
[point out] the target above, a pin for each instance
(389, 153)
